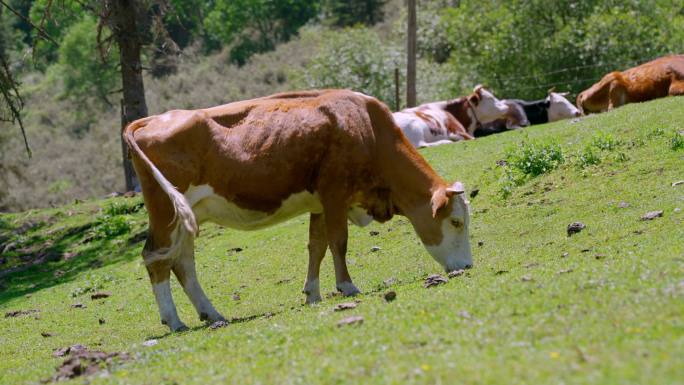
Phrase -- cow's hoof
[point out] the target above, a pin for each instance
(313, 298)
(211, 317)
(348, 289)
(179, 327)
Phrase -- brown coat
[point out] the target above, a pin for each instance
(656, 79)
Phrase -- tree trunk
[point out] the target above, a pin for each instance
(411, 59)
(133, 106)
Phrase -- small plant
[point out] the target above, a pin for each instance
(656, 133)
(112, 226)
(120, 208)
(528, 160)
(605, 142)
(534, 159)
(677, 140)
(587, 157)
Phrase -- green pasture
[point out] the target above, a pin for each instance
(604, 306)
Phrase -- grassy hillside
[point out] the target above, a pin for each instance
(605, 306)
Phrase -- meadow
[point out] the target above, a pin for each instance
(603, 306)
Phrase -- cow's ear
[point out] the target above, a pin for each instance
(455, 189)
(474, 99)
(439, 200)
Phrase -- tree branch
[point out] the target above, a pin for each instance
(40, 30)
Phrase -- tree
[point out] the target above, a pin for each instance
(346, 13)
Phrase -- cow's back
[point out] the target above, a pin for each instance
(653, 79)
(257, 153)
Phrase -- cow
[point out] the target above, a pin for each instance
(656, 79)
(335, 154)
(550, 109)
(437, 123)
(514, 118)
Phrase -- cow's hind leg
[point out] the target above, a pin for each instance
(318, 244)
(159, 272)
(184, 269)
(676, 88)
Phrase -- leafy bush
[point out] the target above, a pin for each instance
(528, 160)
(121, 208)
(358, 59)
(677, 141)
(111, 226)
(534, 159)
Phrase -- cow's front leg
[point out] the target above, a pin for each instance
(184, 269)
(159, 272)
(318, 243)
(337, 232)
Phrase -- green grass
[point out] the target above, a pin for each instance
(605, 306)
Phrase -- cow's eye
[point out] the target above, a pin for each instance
(456, 223)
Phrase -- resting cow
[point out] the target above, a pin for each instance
(247, 165)
(444, 122)
(656, 79)
(550, 109)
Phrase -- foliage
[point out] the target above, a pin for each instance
(347, 13)
(605, 142)
(80, 66)
(587, 157)
(535, 158)
(252, 26)
(57, 22)
(521, 48)
(677, 140)
(357, 59)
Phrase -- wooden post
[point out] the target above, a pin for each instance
(397, 102)
(411, 52)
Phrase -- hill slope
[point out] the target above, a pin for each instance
(604, 306)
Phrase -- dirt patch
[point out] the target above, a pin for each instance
(19, 313)
(345, 306)
(651, 215)
(434, 280)
(100, 295)
(84, 362)
(353, 320)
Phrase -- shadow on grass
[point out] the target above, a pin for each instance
(39, 259)
(214, 326)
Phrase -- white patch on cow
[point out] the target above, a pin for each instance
(312, 290)
(165, 117)
(207, 205)
(489, 108)
(454, 252)
(419, 133)
(348, 289)
(560, 108)
(358, 216)
(167, 309)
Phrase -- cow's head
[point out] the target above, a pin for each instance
(443, 227)
(487, 107)
(559, 107)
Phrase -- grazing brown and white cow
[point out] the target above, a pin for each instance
(448, 121)
(656, 79)
(335, 154)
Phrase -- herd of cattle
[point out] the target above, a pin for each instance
(336, 154)
(481, 113)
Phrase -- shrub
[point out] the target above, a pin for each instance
(112, 226)
(358, 59)
(534, 159)
(677, 140)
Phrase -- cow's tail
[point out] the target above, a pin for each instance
(184, 222)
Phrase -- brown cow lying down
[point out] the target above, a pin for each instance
(656, 79)
(247, 165)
